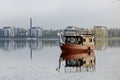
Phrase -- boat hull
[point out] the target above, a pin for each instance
(75, 48)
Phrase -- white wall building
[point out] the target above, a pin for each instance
(20, 32)
(36, 32)
(8, 32)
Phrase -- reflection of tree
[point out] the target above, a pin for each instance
(114, 43)
(50, 43)
(101, 44)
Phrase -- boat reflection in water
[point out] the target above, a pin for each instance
(80, 61)
(77, 49)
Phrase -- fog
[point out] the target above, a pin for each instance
(56, 14)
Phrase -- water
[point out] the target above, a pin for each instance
(38, 60)
(29, 52)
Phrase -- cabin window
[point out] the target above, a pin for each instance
(90, 61)
(84, 40)
(67, 40)
(84, 62)
(90, 40)
(94, 40)
(73, 40)
(79, 40)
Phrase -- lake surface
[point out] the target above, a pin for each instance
(38, 60)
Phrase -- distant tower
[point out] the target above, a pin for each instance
(30, 26)
(30, 23)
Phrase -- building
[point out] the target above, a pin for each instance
(10, 32)
(20, 32)
(100, 31)
(35, 32)
(1, 32)
(7, 32)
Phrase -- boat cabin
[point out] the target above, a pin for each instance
(81, 40)
(76, 36)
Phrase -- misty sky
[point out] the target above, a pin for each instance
(58, 14)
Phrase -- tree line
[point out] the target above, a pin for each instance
(111, 32)
(114, 32)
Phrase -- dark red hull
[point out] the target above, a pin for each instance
(68, 48)
(74, 51)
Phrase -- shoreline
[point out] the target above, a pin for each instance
(108, 38)
(26, 39)
(50, 38)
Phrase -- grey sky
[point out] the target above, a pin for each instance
(60, 13)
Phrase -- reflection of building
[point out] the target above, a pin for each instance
(7, 45)
(36, 45)
(20, 44)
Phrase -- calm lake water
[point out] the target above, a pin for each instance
(44, 54)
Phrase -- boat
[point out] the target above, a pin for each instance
(75, 40)
(77, 45)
